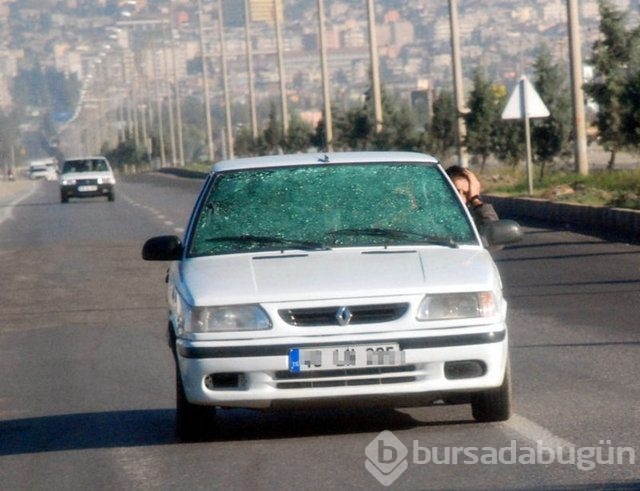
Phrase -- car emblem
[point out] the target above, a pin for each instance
(343, 316)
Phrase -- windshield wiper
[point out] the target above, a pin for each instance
(305, 245)
(392, 233)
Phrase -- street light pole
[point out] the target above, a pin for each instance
(250, 75)
(375, 69)
(225, 83)
(156, 91)
(328, 120)
(205, 86)
(176, 88)
(172, 130)
(283, 88)
(579, 124)
(461, 132)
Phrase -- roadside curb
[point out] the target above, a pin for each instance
(190, 174)
(619, 223)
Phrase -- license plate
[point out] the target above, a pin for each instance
(84, 189)
(337, 357)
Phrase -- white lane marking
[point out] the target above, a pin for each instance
(141, 471)
(535, 433)
(159, 215)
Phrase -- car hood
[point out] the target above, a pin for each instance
(338, 273)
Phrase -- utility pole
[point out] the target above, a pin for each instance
(375, 69)
(225, 83)
(205, 86)
(172, 130)
(156, 90)
(461, 132)
(176, 88)
(328, 120)
(250, 74)
(283, 87)
(579, 124)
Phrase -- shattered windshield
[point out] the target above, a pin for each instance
(327, 206)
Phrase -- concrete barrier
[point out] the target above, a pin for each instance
(608, 222)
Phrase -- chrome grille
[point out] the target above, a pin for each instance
(343, 378)
(328, 316)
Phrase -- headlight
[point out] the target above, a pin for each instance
(106, 180)
(230, 318)
(68, 182)
(457, 306)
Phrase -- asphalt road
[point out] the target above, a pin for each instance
(87, 389)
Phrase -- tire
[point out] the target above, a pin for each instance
(111, 196)
(495, 404)
(193, 422)
(64, 198)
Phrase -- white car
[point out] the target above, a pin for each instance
(43, 169)
(333, 279)
(86, 177)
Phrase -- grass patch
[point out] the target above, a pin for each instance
(199, 167)
(620, 188)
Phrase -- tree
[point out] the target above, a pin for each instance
(483, 116)
(355, 128)
(273, 132)
(352, 129)
(125, 153)
(611, 59)
(631, 100)
(319, 137)
(508, 138)
(509, 144)
(631, 94)
(399, 128)
(551, 136)
(243, 142)
(298, 137)
(441, 130)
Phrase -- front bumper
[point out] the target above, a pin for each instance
(86, 190)
(257, 375)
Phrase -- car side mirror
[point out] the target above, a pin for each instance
(502, 232)
(162, 248)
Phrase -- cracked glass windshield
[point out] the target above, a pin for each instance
(328, 206)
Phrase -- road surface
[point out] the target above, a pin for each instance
(87, 392)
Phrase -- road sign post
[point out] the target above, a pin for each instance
(525, 103)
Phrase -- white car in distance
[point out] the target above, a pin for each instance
(86, 177)
(334, 279)
(45, 169)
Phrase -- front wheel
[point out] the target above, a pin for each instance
(193, 422)
(494, 404)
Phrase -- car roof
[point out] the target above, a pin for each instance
(322, 158)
